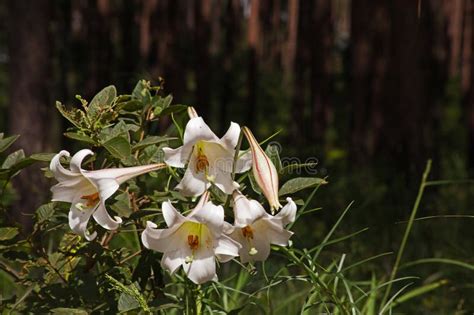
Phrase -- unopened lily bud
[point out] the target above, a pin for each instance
(192, 112)
(264, 171)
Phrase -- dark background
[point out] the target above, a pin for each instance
(372, 89)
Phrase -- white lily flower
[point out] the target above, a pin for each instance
(193, 242)
(264, 171)
(255, 229)
(210, 159)
(87, 191)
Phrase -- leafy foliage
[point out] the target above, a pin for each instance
(52, 270)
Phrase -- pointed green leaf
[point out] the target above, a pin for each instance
(7, 142)
(103, 99)
(151, 140)
(119, 147)
(79, 137)
(300, 183)
(13, 158)
(7, 233)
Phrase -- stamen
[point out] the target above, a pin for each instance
(247, 232)
(91, 199)
(193, 242)
(202, 163)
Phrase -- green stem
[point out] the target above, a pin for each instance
(407, 230)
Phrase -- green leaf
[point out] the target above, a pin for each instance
(7, 142)
(45, 212)
(75, 116)
(42, 157)
(122, 206)
(102, 100)
(253, 184)
(13, 158)
(119, 147)
(127, 302)
(173, 110)
(79, 137)
(133, 292)
(142, 91)
(7, 233)
(300, 183)
(120, 129)
(68, 311)
(151, 140)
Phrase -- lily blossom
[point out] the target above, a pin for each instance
(87, 191)
(255, 229)
(264, 171)
(209, 159)
(194, 241)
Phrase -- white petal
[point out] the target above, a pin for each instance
(197, 129)
(123, 174)
(211, 215)
(262, 245)
(244, 162)
(78, 220)
(106, 186)
(222, 180)
(171, 215)
(226, 248)
(202, 268)
(172, 260)
(231, 136)
(102, 217)
(68, 190)
(288, 213)
(177, 157)
(160, 240)
(192, 183)
(246, 211)
(228, 228)
(77, 158)
(219, 157)
(275, 233)
(59, 172)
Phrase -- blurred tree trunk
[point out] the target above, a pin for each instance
(370, 55)
(321, 45)
(393, 92)
(29, 103)
(253, 38)
(202, 61)
(290, 49)
(469, 96)
(99, 47)
(231, 34)
(300, 74)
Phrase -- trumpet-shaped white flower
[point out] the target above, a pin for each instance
(264, 171)
(87, 191)
(255, 229)
(194, 241)
(209, 159)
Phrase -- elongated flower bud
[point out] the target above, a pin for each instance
(264, 171)
(192, 112)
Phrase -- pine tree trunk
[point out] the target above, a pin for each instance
(30, 108)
